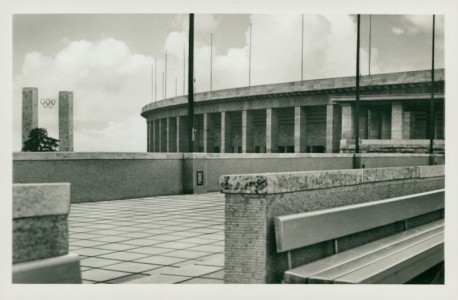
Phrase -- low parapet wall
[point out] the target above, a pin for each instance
(111, 176)
(253, 200)
(103, 176)
(40, 235)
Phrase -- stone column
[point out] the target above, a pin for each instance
(374, 124)
(182, 141)
(157, 136)
(65, 121)
(300, 130)
(247, 132)
(226, 132)
(271, 130)
(29, 111)
(409, 125)
(148, 138)
(347, 122)
(333, 130)
(172, 134)
(386, 126)
(163, 135)
(208, 133)
(397, 121)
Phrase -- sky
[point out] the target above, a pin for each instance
(113, 63)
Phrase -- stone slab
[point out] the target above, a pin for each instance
(62, 269)
(40, 199)
(276, 183)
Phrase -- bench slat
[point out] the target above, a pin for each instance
(331, 275)
(401, 266)
(304, 229)
(302, 273)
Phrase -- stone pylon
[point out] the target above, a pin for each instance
(65, 121)
(29, 111)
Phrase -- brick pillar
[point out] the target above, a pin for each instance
(172, 134)
(300, 130)
(226, 132)
(271, 130)
(65, 121)
(208, 133)
(409, 125)
(247, 132)
(182, 140)
(347, 122)
(29, 111)
(397, 121)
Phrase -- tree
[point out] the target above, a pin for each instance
(39, 140)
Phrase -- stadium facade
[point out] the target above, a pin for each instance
(313, 116)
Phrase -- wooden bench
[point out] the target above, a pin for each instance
(394, 259)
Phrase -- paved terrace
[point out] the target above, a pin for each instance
(164, 239)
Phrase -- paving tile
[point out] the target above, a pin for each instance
(95, 262)
(86, 243)
(215, 275)
(142, 242)
(212, 261)
(136, 235)
(187, 254)
(193, 270)
(203, 281)
(112, 239)
(117, 247)
(151, 250)
(159, 279)
(92, 251)
(124, 255)
(85, 236)
(127, 279)
(176, 245)
(132, 267)
(102, 275)
(160, 260)
(208, 248)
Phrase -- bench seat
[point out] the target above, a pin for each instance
(394, 259)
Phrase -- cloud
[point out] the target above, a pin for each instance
(423, 23)
(110, 85)
(397, 30)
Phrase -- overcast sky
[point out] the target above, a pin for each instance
(106, 60)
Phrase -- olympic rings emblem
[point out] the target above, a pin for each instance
(47, 103)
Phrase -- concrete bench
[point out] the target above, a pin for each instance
(394, 259)
(40, 235)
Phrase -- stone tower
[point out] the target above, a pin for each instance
(65, 121)
(29, 111)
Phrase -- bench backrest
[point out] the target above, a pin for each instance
(304, 229)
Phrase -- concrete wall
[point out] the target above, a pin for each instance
(215, 165)
(252, 202)
(109, 176)
(103, 176)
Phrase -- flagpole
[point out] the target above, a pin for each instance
(249, 59)
(191, 84)
(356, 119)
(370, 42)
(302, 50)
(165, 87)
(211, 62)
(431, 102)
